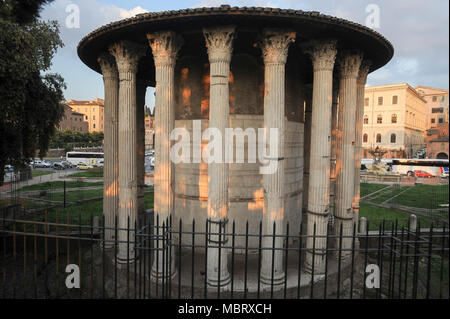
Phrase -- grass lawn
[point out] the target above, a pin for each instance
(424, 196)
(59, 185)
(366, 188)
(73, 195)
(376, 215)
(386, 194)
(90, 173)
(36, 173)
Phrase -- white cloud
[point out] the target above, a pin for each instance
(131, 13)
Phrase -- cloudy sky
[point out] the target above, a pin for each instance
(419, 31)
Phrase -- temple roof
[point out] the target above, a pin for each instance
(307, 24)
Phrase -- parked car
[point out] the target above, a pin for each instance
(58, 165)
(100, 163)
(445, 172)
(66, 164)
(419, 173)
(84, 166)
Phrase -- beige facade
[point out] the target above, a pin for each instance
(395, 118)
(437, 105)
(73, 121)
(93, 112)
(149, 132)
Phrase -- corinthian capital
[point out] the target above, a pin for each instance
(107, 65)
(322, 52)
(364, 71)
(165, 47)
(219, 42)
(127, 55)
(275, 45)
(349, 64)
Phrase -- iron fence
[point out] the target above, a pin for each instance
(169, 259)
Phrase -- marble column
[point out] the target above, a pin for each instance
(219, 42)
(334, 133)
(165, 46)
(274, 46)
(127, 56)
(361, 82)
(111, 145)
(307, 96)
(141, 88)
(349, 64)
(323, 55)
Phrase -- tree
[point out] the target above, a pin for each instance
(29, 99)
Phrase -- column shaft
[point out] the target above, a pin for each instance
(345, 158)
(219, 41)
(274, 46)
(361, 82)
(127, 55)
(165, 46)
(140, 139)
(111, 145)
(323, 56)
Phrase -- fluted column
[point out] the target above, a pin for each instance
(274, 46)
(141, 88)
(307, 95)
(127, 56)
(111, 144)
(349, 64)
(323, 56)
(219, 41)
(361, 82)
(165, 46)
(334, 134)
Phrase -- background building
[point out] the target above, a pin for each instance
(149, 132)
(73, 121)
(437, 105)
(437, 142)
(93, 112)
(395, 118)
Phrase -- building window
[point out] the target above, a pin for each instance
(433, 121)
(379, 119)
(395, 99)
(394, 118)
(437, 110)
(93, 125)
(441, 120)
(366, 101)
(380, 100)
(93, 109)
(365, 137)
(366, 119)
(378, 138)
(434, 98)
(393, 138)
(86, 117)
(93, 117)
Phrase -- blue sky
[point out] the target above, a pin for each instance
(419, 31)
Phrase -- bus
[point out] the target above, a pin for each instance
(86, 158)
(435, 167)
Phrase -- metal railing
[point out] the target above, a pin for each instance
(167, 259)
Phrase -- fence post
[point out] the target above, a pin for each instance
(362, 225)
(413, 222)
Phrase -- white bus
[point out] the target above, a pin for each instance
(435, 167)
(87, 158)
